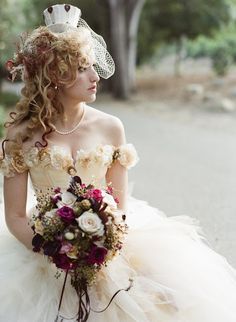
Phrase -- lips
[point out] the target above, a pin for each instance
(94, 87)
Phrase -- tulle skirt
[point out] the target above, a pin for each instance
(176, 276)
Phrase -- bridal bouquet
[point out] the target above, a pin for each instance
(80, 230)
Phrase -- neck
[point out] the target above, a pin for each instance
(72, 111)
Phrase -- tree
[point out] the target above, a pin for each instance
(124, 21)
(174, 20)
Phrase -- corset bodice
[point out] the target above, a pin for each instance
(53, 166)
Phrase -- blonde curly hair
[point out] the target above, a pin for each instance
(45, 60)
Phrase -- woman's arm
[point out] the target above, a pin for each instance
(15, 197)
(117, 174)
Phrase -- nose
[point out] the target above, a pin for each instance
(94, 76)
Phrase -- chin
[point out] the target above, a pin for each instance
(91, 99)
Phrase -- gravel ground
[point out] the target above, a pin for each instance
(187, 164)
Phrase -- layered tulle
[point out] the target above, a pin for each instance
(177, 277)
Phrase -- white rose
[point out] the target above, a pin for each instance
(51, 213)
(108, 199)
(67, 199)
(90, 223)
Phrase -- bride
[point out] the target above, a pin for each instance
(176, 276)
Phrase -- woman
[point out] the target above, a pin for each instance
(177, 277)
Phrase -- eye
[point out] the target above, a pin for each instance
(82, 69)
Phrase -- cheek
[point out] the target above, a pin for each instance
(77, 85)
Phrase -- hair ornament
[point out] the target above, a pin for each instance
(62, 18)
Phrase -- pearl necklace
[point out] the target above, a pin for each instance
(74, 129)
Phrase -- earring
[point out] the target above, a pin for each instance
(56, 87)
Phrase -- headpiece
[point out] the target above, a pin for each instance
(62, 18)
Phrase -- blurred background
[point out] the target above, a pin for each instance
(175, 91)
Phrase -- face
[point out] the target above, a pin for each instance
(84, 88)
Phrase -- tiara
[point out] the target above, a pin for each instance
(60, 17)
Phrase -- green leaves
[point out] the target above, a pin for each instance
(171, 20)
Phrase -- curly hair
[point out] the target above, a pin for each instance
(45, 60)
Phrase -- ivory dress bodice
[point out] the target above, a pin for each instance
(53, 166)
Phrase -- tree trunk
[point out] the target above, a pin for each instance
(119, 48)
(124, 20)
(133, 16)
(178, 49)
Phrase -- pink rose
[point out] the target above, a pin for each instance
(65, 248)
(95, 194)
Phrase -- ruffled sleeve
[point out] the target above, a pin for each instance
(127, 155)
(13, 164)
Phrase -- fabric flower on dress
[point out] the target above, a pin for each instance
(31, 157)
(60, 158)
(44, 157)
(127, 155)
(18, 162)
(104, 154)
(84, 158)
(6, 168)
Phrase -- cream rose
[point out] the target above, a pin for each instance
(67, 199)
(38, 227)
(51, 213)
(90, 223)
(109, 200)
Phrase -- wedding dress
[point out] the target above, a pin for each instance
(177, 276)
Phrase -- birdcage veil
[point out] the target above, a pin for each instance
(65, 19)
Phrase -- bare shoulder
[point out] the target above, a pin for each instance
(14, 134)
(110, 126)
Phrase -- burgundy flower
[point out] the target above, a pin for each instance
(51, 247)
(97, 255)
(76, 179)
(63, 262)
(37, 242)
(66, 213)
(57, 190)
(56, 198)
